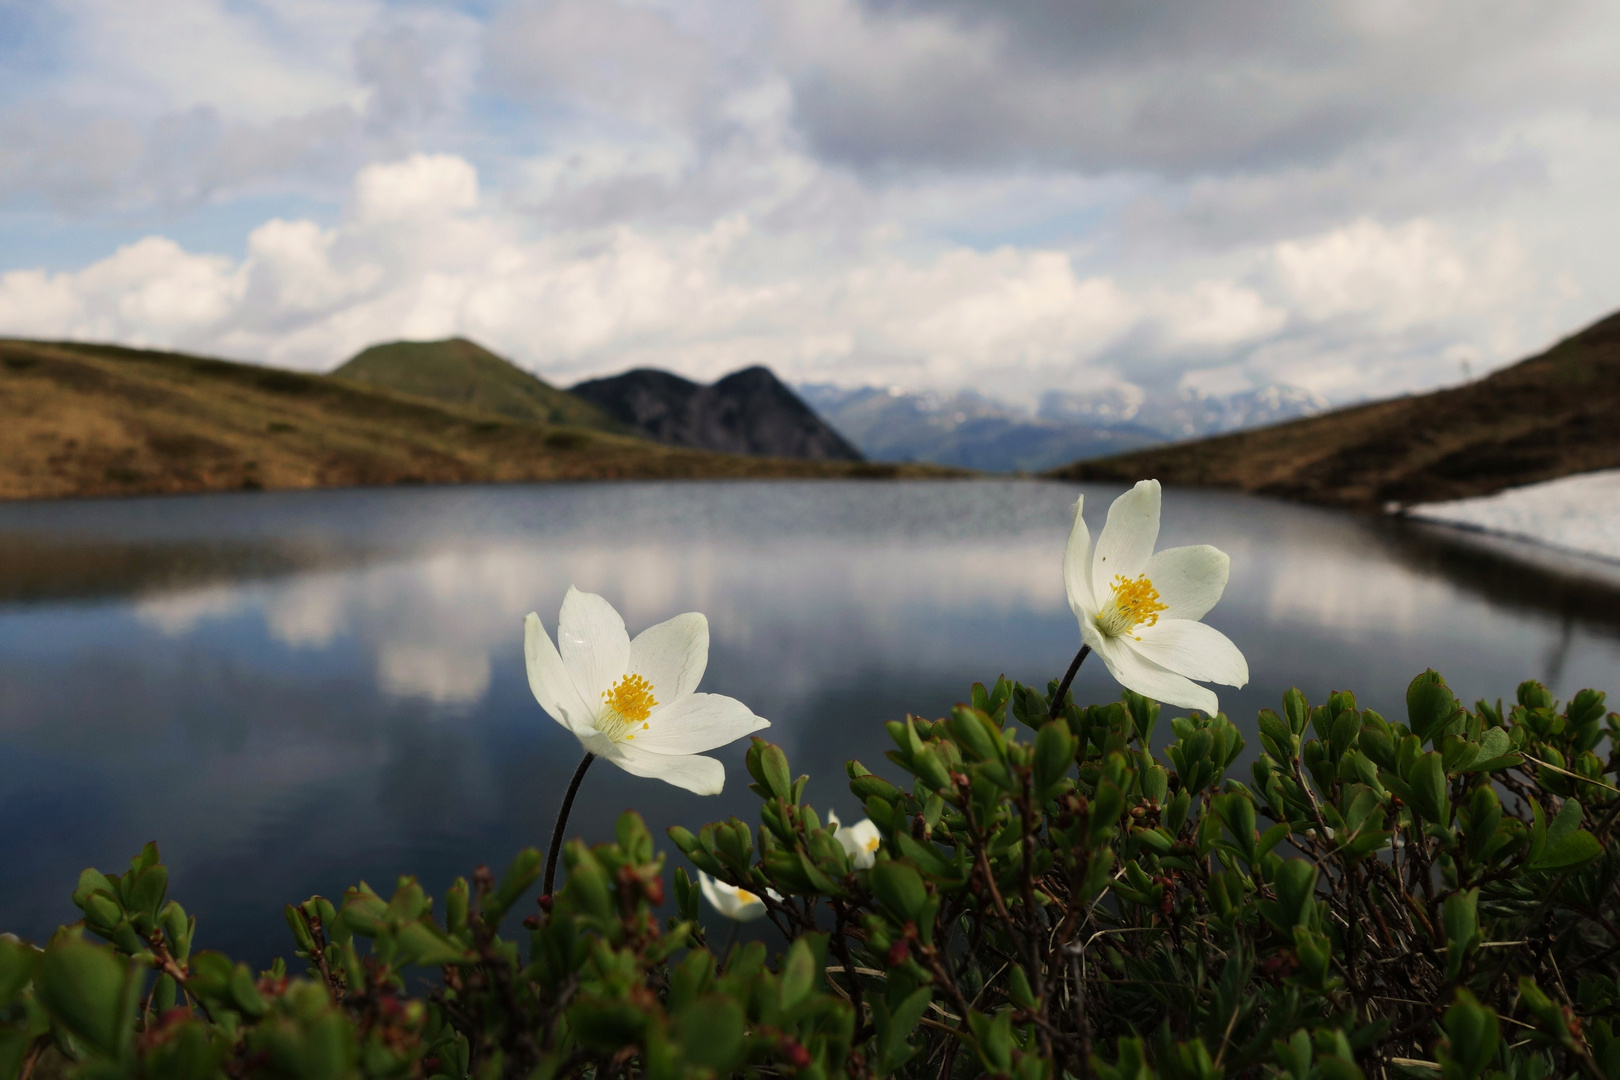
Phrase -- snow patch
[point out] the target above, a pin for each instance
(1578, 513)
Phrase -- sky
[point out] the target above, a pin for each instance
(1357, 198)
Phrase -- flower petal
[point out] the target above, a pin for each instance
(549, 680)
(728, 900)
(696, 723)
(1077, 565)
(593, 643)
(700, 775)
(1193, 649)
(1136, 672)
(672, 655)
(1127, 538)
(1189, 579)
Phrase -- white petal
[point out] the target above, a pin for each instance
(672, 656)
(700, 775)
(861, 841)
(1127, 538)
(1136, 672)
(1189, 579)
(1077, 566)
(1193, 649)
(549, 680)
(696, 723)
(594, 645)
(727, 899)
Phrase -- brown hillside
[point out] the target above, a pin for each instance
(1549, 416)
(101, 420)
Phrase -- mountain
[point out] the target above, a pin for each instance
(974, 431)
(102, 420)
(464, 373)
(747, 412)
(1552, 415)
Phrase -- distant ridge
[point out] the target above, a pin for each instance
(461, 372)
(1552, 415)
(747, 412)
(79, 419)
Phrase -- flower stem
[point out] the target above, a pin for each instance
(562, 823)
(1063, 687)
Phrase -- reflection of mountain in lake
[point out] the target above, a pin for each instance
(43, 567)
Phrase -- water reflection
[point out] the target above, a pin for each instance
(291, 690)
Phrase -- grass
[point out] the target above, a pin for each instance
(462, 373)
(92, 420)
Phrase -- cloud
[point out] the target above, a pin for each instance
(1026, 197)
(421, 186)
(1167, 87)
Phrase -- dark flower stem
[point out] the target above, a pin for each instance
(1062, 690)
(562, 823)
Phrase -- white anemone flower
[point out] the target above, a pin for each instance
(737, 904)
(860, 840)
(633, 702)
(1139, 610)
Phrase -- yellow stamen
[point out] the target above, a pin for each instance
(747, 897)
(627, 703)
(873, 844)
(632, 698)
(1135, 603)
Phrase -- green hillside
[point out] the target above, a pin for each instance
(79, 419)
(465, 374)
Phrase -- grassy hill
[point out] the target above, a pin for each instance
(1549, 416)
(464, 373)
(103, 420)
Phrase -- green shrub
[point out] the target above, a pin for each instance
(1433, 897)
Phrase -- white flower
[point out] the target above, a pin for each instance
(632, 702)
(732, 902)
(860, 840)
(1139, 610)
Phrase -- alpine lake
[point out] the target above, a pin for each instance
(292, 692)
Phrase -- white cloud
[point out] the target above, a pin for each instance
(1399, 277)
(421, 186)
(148, 292)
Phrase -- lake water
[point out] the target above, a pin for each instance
(292, 691)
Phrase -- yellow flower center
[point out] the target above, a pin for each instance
(625, 704)
(873, 844)
(746, 897)
(1135, 603)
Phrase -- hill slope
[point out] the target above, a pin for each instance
(747, 412)
(461, 372)
(101, 420)
(1549, 416)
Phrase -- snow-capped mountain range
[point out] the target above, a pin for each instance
(979, 432)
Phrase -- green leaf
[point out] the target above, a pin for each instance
(1567, 852)
(524, 872)
(798, 974)
(711, 1030)
(1428, 786)
(91, 992)
(900, 888)
(1430, 707)
(902, 1022)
